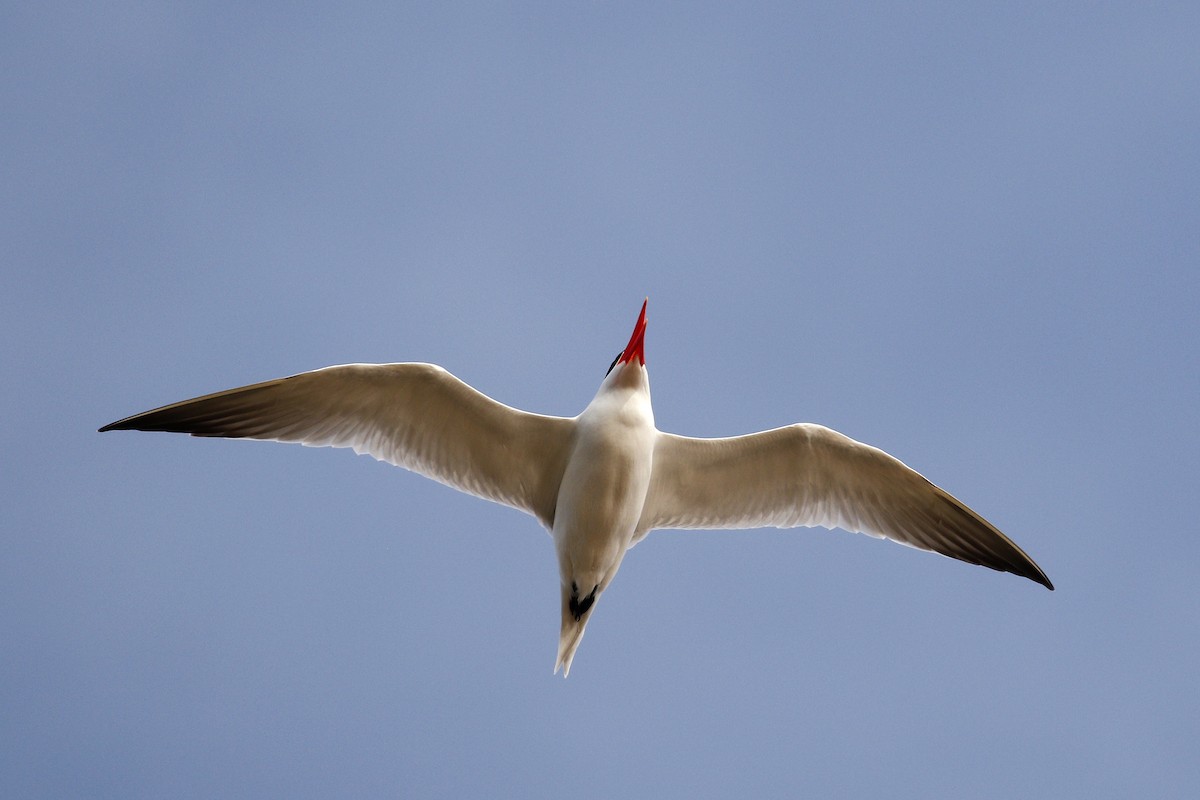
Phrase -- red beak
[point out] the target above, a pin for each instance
(637, 341)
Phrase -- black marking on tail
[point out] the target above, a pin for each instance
(580, 607)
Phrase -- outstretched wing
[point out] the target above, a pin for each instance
(416, 416)
(813, 476)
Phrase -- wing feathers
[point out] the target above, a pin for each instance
(812, 476)
(416, 416)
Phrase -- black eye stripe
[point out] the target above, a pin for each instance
(610, 366)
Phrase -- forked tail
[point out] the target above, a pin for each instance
(574, 621)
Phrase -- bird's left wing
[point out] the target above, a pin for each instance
(416, 416)
(810, 475)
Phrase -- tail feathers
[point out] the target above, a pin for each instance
(568, 643)
(571, 633)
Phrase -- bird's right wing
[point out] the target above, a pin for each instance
(812, 476)
(416, 416)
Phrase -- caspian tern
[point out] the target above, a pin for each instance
(602, 480)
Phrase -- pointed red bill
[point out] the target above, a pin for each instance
(637, 341)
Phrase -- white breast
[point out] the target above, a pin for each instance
(604, 486)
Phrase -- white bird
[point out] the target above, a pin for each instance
(602, 480)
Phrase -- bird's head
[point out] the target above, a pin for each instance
(629, 365)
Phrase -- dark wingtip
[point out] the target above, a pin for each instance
(1037, 576)
(119, 425)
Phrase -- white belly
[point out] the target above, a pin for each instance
(602, 494)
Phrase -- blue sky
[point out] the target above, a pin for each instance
(964, 233)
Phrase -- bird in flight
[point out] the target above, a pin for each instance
(602, 480)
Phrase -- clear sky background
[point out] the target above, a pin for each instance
(965, 233)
